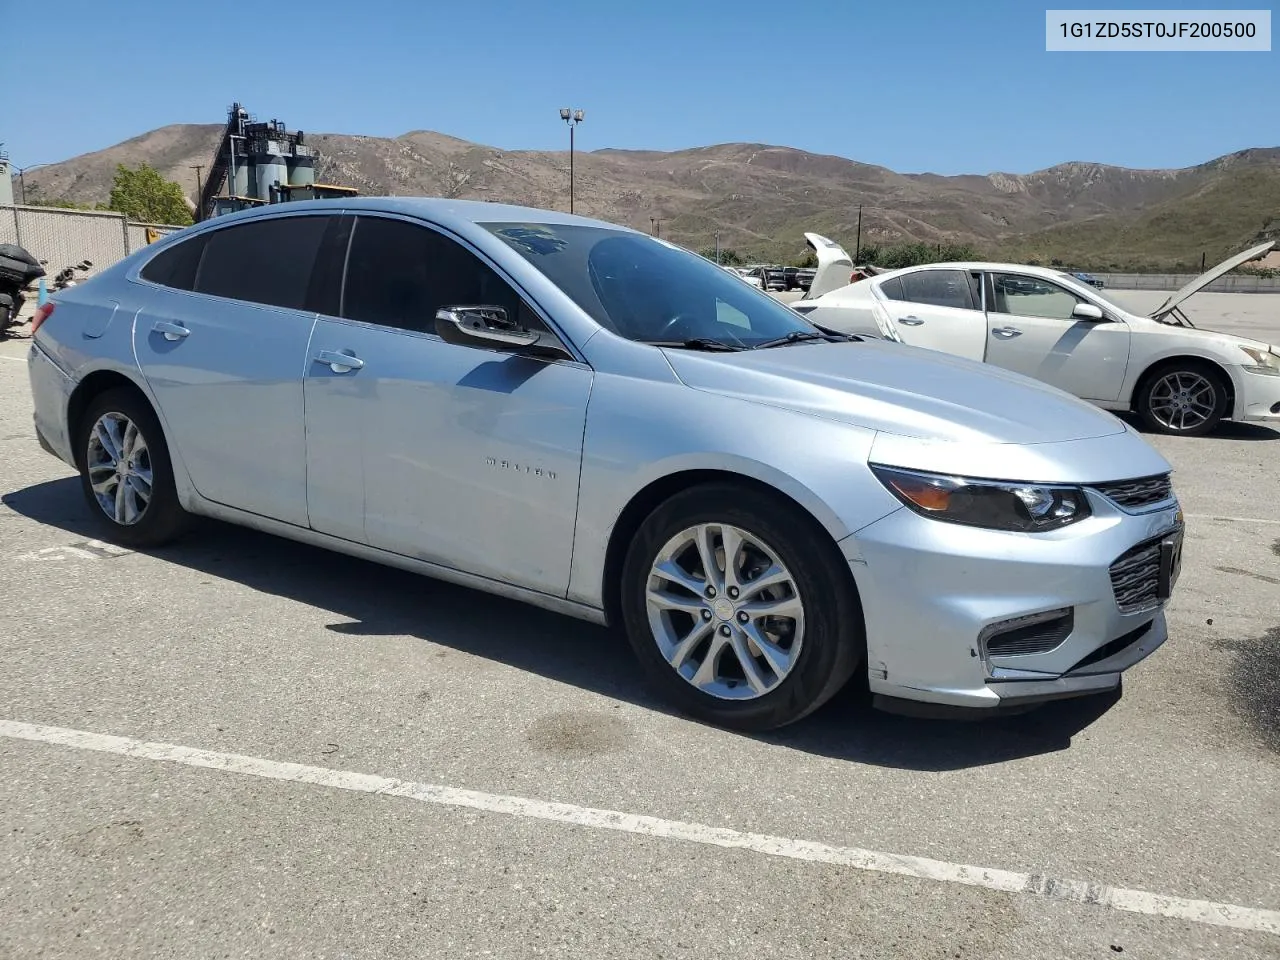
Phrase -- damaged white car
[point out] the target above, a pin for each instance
(1047, 324)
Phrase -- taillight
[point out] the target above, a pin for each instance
(42, 314)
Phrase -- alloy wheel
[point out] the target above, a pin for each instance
(725, 612)
(1183, 400)
(119, 467)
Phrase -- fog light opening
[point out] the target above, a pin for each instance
(1026, 635)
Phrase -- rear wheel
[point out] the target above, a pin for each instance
(125, 471)
(740, 608)
(1183, 399)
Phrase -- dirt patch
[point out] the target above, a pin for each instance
(578, 734)
(105, 839)
(1275, 548)
(1254, 683)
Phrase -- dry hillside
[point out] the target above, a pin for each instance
(761, 198)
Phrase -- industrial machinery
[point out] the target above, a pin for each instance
(260, 163)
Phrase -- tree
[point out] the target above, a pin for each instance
(728, 256)
(806, 259)
(143, 194)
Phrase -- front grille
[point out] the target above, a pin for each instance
(1135, 578)
(1135, 494)
(1014, 638)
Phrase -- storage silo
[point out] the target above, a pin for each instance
(269, 166)
(243, 176)
(302, 167)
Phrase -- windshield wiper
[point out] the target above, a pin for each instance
(806, 336)
(697, 343)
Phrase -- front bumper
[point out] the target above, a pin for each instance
(933, 593)
(1258, 397)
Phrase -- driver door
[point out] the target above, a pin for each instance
(460, 455)
(1031, 331)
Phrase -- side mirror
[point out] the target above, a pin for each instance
(473, 325)
(1087, 311)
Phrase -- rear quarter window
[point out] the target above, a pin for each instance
(176, 267)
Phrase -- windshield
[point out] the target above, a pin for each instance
(648, 290)
(1094, 291)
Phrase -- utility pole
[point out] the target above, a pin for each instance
(656, 224)
(717, 248)
(857, 253)
(198, 168)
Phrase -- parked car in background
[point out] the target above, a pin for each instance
(1089, 279)
(804, 277)
(744, 276)
(1048, 324)
(586, 418)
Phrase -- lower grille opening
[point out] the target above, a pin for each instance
(1039, 633)
(1115, 646)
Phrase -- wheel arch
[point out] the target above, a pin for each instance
(646, 500)
(93, 385)
(1156, 367)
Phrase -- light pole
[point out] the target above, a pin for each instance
(572, 118)
(717, 248)
(656, 223)
(22, 183)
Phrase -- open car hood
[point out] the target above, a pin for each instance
(1170, 306)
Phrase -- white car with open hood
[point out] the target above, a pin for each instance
(1047, 324)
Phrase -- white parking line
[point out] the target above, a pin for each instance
(14, 359)
(1038, 885)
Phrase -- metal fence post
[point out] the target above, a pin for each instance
(124, 229)
(17, 226)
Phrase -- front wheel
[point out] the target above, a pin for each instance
(740, 607)
(1183, 400)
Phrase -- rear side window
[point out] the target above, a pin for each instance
(264, 261)
(939, 288)
(176, 267)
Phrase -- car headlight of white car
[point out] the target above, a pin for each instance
(993, 504)
(1264, 361)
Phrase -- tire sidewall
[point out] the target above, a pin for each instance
(1220, 400)
(164, 517)
(834, 641)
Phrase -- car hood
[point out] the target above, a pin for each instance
(1206, 278)
(901, 390)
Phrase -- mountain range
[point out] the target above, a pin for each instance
(761, 198)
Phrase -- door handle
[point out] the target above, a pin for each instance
(910, 321)
(1007, 333)
(171, 331)
(338, 361)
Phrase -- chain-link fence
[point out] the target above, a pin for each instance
(65, 237)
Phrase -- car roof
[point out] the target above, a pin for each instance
(1047, 272)
(441, 210)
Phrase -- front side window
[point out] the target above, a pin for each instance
(646, 289)
(939, 288)
(400, 273)
(266, 261)
(1024, 296)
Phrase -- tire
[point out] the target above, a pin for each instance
(148, 521)
(828, 629)
(1173, 401)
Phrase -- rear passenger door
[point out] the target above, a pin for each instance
(222, 341)
(939, 309)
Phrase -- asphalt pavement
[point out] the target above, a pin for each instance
(240, 746)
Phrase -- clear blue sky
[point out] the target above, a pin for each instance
(946, 87)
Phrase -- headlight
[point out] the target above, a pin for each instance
(1264, 361)
(994, 504)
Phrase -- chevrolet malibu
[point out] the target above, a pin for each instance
(589, 419)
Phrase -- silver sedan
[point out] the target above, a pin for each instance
(596, 421)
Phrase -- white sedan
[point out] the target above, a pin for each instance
(1049, 325)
